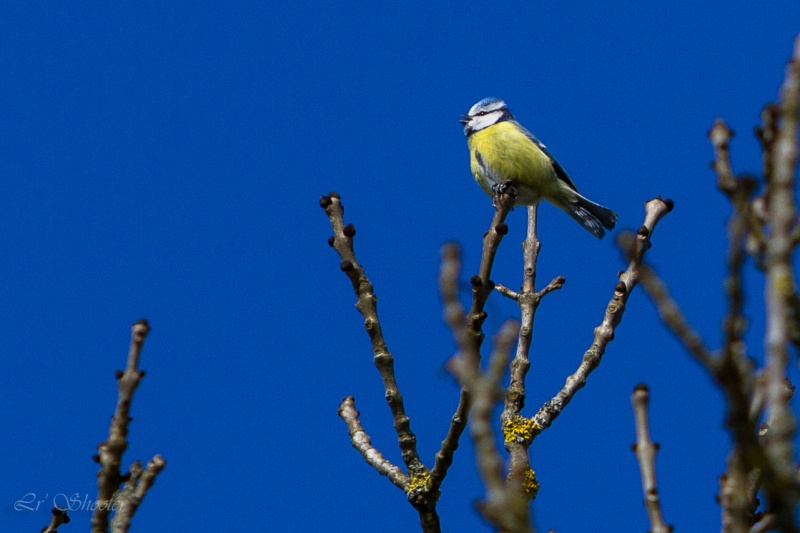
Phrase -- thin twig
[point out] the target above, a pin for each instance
(110, 451)
(737, 513)
(505, 505)
(655, 210)
(734, 378)
(735, 323)
(454, 317)
(418, 489)
(59, 518)
(738, 488)
(482, 285)
(528, 302)
(721, 135)
(645, 451)
(467, 328)
(485, 389)
(781, 487)
(732, 370)
(767, 133)
(507, 292)
(738, 190)
(517, 430)
(130, 497)
(361, 441)
(367, 305)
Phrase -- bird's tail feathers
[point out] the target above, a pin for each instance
(594, 217)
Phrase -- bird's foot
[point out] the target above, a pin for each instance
(504, 187)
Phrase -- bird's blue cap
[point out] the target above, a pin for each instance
(488, 101)
(487, 104)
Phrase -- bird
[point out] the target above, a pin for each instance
(504, 156)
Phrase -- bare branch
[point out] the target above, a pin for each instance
(59, 518)
(419, 490)
(781, 486)
(517, 430)
(738, 190)
(505, 291)
(555, 284)
(505, 505)
(362, 442)
(485, 392)
(732, 370)
(655, 210)
(467, 328)
(737, 512)
(721, 135)
(767, 133)
(129, 498)
(735, 323)
(367, 305)
(454, 317)
(482, 285)
(110, 451)
(645, 451)
(528, 302)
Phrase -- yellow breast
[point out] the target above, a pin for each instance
(510, 155)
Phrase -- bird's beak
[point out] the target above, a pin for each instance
(465, 119)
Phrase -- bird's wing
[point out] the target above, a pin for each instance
(488, 173)
(560, 172)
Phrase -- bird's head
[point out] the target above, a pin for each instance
(485, 113)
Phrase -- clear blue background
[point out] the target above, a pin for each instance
(165, 160)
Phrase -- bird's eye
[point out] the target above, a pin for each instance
(482, 113)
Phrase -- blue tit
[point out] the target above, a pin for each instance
(504, 154)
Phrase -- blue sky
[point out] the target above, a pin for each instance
(165, 160)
